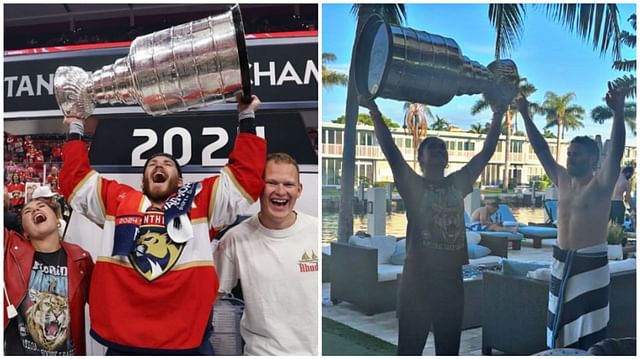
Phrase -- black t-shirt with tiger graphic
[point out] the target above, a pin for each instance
(436, 236)
(42, 324)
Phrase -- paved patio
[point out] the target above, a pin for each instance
(385, 325)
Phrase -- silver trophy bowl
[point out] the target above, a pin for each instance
(177, 69)
(410, 65)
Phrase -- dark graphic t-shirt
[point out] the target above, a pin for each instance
(436, 233)
(42, 324)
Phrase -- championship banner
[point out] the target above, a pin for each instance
(282, 70)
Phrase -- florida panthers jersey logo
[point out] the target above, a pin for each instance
(154, 253)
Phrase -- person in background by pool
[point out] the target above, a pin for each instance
(621, 195)
(481, 218)
(579, 289)
(431, 291)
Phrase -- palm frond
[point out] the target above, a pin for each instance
(536, 108)
(627, 83)
(479, 106)
(600, 114)
(630, 116)
(392, 13)
(628, 39)
(597, 23)
(550, 123)
(624, 65)
(508, 21)
(527, 89)
(332, 78)
(328, 57)
(575, 110)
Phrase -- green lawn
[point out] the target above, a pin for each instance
(339, 339)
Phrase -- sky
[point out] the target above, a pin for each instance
(548, 55)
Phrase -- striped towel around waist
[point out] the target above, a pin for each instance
(578, 311)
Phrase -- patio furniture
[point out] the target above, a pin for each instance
(514, 314)
(551, 209)
(514, 239)
(326, 264)
(536, 233)
(363, 277)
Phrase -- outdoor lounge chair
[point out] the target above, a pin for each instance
(536, 233)
(551, 208)
(361, 276)
(517, 326)
(514, 239)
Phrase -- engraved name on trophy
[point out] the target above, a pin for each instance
(184, 67)
(411, 65)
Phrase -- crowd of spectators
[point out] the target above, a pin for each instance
(100, 35)
(30, 161)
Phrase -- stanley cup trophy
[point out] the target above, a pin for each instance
(184, 67)
(416, 66)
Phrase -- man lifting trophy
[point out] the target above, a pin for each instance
(415, 66)
(154, 282)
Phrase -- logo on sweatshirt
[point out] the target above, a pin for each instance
(308, 263)
(154, 253)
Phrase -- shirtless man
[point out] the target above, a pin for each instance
(584, 200)
(621, 195)
(482, 217)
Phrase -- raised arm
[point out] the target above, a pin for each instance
(398, 165)
(499, 97)
(240, 182)
(480, 160)
(610, 170)
(86, 191)
(539, 144)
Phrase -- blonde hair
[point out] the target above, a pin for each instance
(281, 157)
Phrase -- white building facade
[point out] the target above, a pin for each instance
(462, 146)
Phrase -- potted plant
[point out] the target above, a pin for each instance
(615, 236)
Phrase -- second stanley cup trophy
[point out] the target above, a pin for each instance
(172, 70)
(410, 65)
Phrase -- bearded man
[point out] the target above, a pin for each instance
(155, 283)
(579, 289)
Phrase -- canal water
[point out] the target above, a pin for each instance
(397, 222)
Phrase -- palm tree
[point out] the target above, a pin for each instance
(440, 124)
(603, 113)
(548, 134)
(524, 88)
(415, 120)
(597, 23)
(330, 77)
(570, 122)
(561, 113)
(392, 13)
(477, 128)
(626, 82)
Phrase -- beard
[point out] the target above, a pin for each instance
(578, 170)
(159, 195)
